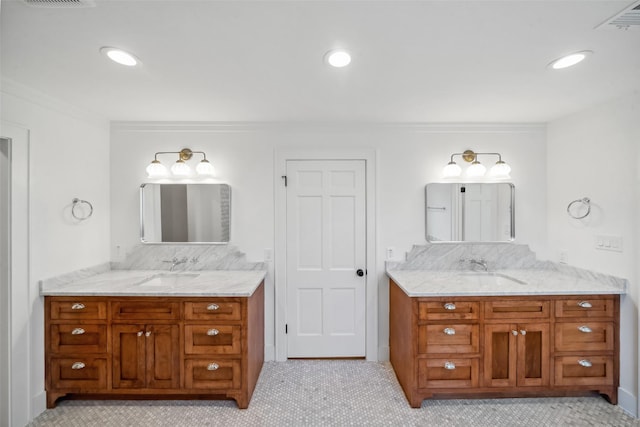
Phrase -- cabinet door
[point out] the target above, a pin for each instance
(128, 356)
(500, 355)
(162, 357)
(533, 354)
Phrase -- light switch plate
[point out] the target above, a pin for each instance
(608, 243)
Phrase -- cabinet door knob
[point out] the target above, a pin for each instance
(147, 334)
(213, 332)
(514, 332)
(77, 331)
(140, 333)
(585, 363)
(585, 304)
(78, 365)
(449, 331)
(213, 307)
(212, 366)
(77, 306)
(584, 329)
(449, 306)
(523, 332)
(449, 365)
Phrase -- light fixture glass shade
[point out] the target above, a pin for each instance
(452, 170)
(156, 170)
(500, 170)
(476, 169)
(180, 168)
(338, 58)
(205, 168)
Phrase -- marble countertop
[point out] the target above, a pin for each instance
(429, 283)
(207, 283)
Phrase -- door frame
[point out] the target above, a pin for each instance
(17, 358)
(369, 156)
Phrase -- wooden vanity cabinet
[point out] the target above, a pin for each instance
(504, 346)
(154, 347)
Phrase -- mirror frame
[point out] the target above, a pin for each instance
(146, 242)
(512, 214)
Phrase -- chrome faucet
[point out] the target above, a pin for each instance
(175, 261)
(481, 262)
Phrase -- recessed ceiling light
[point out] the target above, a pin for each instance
(338, 58)
(120, 56)
(569, 60)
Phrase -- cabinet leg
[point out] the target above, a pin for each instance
(416, 401)
(611, 395)
(52, 397)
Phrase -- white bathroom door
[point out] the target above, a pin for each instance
(326, 255)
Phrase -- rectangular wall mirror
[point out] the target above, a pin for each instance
(470, 212)
(185, 213)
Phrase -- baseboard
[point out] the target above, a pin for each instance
(38, 404)
(383, 354)
(628, 402)
(269, 353)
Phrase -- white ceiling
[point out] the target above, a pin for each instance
(413, 61)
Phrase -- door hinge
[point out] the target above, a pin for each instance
(285, 179)
(286, 328)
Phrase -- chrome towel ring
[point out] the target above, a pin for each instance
(585, 201)
(81, 216)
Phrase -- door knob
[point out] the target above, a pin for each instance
(360, 272)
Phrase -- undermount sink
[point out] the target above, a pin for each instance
(491, 278)
(169, 279)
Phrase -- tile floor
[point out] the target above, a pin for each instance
(336, 393)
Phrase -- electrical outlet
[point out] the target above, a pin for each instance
(390, 253)
(564, 257)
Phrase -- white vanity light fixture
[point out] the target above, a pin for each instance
(569, 60)
(180, 168)
(500, 170)
(338, 58)
(120, 56)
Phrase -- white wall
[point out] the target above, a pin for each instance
(68, 157)
(595, 154)
(408, 158)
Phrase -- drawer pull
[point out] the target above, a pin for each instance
(213, 307)
(77, 331)
(77, 306)
(449, 331)
(585, 304)
(78, 365)
(585, 363)
(449, 306)
(450, 366)
(213, 332)
(212, 367)
(584, 329)
(140, 333)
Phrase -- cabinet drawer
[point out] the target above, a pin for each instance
(588, 370)
(78, 308)
(448, 339)
(212, 310)
(448, 373)
(516, 309)
(78, 373)
(212, 374)
(585, 308)
(212, 339)
(459, 310)
(585, 336)
(145, 310)
(74, 338)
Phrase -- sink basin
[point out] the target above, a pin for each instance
(491, 278)
(169, 279)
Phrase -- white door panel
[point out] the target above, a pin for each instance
(325, 247)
